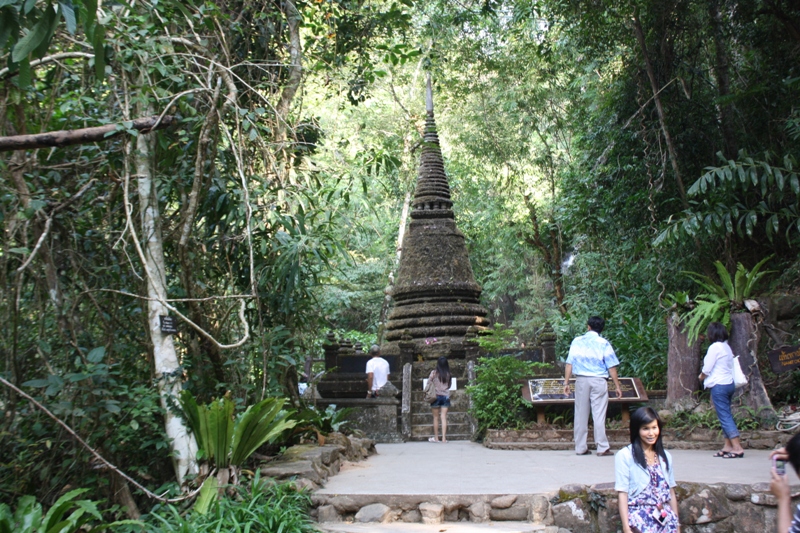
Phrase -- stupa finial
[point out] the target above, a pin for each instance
(429, 96)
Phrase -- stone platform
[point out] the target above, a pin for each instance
(551, 491)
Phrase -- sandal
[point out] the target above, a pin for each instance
(720, 453)
(431, 439)
(731, 455)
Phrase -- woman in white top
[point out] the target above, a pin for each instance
(717, 375)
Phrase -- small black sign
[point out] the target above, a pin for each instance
(168, 324)
(784, 358)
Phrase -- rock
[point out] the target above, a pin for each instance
(362, 448)
(551, 529)
(751, 518)
(411, 516)
(573, 515)
(479, 512)
(451, 515)
(540, 510)
(388, 391)
(569, 492)
(763, 499)
(737, 492)
(375, 512)
(327, 513)
(504, 502)
(287, 469)
(345, 504)
(608, 517)
(665, 415)
(432, 513)
(342, 442)
(703, 507)
(304, 484)
(518, 513)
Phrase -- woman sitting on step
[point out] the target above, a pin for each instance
(644, 479)
(441, 379)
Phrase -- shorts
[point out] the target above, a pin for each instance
(441, 401)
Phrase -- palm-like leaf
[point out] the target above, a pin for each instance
(727, 284)
(260, 423)
(753, 276)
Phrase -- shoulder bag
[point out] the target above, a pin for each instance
(739, 379)
(430, 389)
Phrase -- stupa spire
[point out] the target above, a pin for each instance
(435, 297)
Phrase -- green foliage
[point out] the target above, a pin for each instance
(264, 507)
(751, 198)
(720, 299)
(496, 399)
(67, 515)
(225, 440)
(682, 421)
(313, 421)
(496, 338)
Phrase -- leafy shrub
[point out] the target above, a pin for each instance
(314, 422)
(264, 507)
(67, 515)
(497, 338)
(496, 399)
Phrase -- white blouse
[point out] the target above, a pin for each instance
(718, 365)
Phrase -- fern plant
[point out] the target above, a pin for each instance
(718, 300)
(225, 441)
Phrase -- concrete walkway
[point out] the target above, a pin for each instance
(460, 467)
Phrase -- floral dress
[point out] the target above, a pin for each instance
(654, 498)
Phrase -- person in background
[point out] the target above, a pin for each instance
(591, 358)
(441, 378)
(780, 486)
(717, 375)
(644, 479)
(377, 372)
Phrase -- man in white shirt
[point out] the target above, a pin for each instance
(377, 372)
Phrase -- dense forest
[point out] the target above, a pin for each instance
(255, 159)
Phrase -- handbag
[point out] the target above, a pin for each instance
(739, 379)
(430, 390)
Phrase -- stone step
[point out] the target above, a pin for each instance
(426, 418)
(450, 527)
(450, 437)
(547, 445)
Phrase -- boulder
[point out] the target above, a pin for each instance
(573, 515)
(411, 516)
(432, 513)
(479, 512)
(540, 510)
(504, 502)
(375, 512)
(703, 507)
(517, 513)
(328, 513)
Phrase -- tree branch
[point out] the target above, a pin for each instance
(81, 136)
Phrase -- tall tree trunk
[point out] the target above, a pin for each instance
(673, 155)
(387, 297)
(723, 80)
(167, 366)
(744, 341)
(293, 80)
(683, 363)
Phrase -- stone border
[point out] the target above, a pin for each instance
(550, 438)
(310, 465)
(719, 508)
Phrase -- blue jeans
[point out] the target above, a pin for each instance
(721, 396)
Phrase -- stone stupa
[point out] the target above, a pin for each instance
(436, 299)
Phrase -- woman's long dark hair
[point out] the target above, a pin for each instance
(643, 416)
(717, 332)
(443, 370)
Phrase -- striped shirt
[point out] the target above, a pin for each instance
(591, 356)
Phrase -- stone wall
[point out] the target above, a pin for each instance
(721, 508)
(550, 438)
(310, 465)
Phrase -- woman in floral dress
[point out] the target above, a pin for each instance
(644, 479)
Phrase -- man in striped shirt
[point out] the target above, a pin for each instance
(591, 358)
